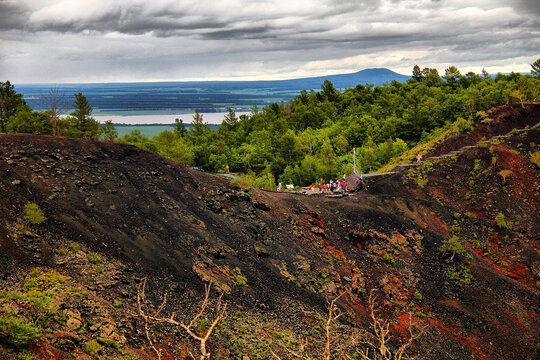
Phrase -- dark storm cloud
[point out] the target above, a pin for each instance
(529, 6)
(147, 17)
(13, 15)
(145, 39)
(237, 20)
(255, 32)
(126, 20)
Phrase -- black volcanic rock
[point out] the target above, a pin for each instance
(118, 215)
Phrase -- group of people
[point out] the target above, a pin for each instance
(338, 186)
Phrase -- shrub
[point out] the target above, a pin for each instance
(461, 275)
(387, 258)
(453, 246)
(502, 223)
(17, 332)
(98, 269)
(455, 228)
(108, 342)
(203, 325)
(476, 244)
(417, 295)
(535, 158)
(33, 214)
(25, 355)
(93, 348)
(419, 173)
(94, 258)
(243, 182)
(266, 182)
(241, 281)
(462, 125)
(39, 280)
(74, 247)
(61, 251)
(504, 174)
(483, 116)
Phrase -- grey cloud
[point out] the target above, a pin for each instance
(255, 32)
(229, 40)
(174, 21)
(13, 15)
(529, 7)
(132, 24)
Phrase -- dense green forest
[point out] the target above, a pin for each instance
(312, 136)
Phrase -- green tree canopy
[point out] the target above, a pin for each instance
(30, 122)
(417, 74)
(108, 131)
(9, 103)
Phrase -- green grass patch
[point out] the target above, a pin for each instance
(17, 332)
(502, 223)
(461, 275)
(33, 214)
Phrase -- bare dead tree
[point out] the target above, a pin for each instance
(219, 314)
(377, 346)
(141, 300)
(333, 315)
(54, 101)
(369, 346)
(301, 351)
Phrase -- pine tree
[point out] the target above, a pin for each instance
(82, 108)
(231, 118)
(9, 102)
(198, 127)
(85, 126)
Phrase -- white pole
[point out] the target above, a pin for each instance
(354, 160)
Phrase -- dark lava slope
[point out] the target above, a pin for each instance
(117, 214)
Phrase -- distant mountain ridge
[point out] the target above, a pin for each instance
(375, 76)
(209, 96)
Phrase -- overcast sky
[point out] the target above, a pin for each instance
(145, 40)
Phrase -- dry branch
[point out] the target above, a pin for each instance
(54, 101)
(378, 348)
(220, 309)
(301, 352)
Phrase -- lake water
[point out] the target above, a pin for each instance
(210, 118)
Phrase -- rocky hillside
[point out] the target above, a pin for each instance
(447, 251)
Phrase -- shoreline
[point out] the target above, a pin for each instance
(163, 119)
